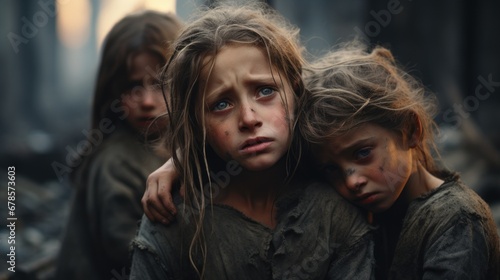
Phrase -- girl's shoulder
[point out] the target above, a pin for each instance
(450, 205)
(123, 148)
(166, 244)
(451, 198)
(449, 220)
(315, 194)
(319, 202)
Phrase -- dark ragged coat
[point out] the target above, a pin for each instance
(448, 233)
(318, 235)
(106, 208)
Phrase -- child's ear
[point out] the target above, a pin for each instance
(415, 132)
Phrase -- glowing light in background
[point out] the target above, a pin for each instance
(73, 22)
(113, 10)
(160, 5)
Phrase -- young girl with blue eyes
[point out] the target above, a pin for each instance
(248, 211)
(371, 128)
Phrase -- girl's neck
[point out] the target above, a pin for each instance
(254, 193)
(421, 182)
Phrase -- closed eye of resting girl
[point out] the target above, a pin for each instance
(371, 128)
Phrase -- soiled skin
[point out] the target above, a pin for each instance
(373, 167)
(460, 219)
(258, 226)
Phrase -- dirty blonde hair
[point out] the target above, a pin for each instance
(252, 24)
(352, 86)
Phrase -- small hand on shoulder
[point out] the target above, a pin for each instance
(157, 200)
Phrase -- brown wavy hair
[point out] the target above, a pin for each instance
(254, 24)
(144, 31)
(351, 86)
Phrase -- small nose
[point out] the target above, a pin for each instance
(149, 98)
(353, 180)
(249, 118)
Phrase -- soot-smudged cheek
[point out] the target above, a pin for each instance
(382, 164)
(279, 121)
(384, 174)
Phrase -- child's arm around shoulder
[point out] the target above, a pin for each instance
(157, 199)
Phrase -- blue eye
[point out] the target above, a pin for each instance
(266, 91)
(221, 105)
(363, 153)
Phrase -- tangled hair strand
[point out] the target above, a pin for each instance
(351, 86)
(254, 24)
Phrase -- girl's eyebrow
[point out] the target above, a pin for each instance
(263, 78)
(257, 79)
(134, 83)
(356, 144)
(216, 92)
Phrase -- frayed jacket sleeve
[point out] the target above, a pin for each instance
(147, 259)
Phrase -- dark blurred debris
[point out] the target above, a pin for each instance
(41, 210)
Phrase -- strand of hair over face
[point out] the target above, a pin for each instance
(211, 30)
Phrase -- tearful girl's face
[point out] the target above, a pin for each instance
(143, 98)
(369, 166)
(245, 113)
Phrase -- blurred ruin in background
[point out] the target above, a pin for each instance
(50, 52)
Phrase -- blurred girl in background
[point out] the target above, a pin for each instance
(127, 115)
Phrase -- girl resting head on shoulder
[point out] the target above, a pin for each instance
(235, 80)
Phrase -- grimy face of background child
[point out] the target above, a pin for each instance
(245, 113)
(369, 166)
(143, 98)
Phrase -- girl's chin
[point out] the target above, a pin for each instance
(257, 168)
